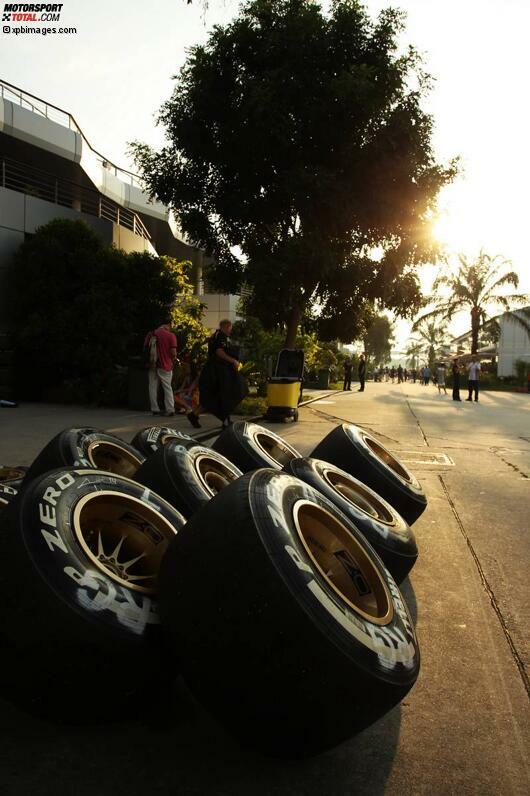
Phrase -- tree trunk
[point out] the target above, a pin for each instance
(292, 326)
(475, 324)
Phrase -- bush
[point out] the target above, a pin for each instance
(252, 406)
(79, 309)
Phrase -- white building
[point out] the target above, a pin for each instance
(49, 170)
(514, 343)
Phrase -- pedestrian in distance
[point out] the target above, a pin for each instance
(426, 375)
(361, 371)
(400, 374)
(160, 346)
(473, 370)
(392, 373)
(440, 378)
(414, 375)
(456, 380)
(221, 387)
(348, 365)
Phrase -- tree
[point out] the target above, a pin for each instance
(79, 309)
(474, 287)
(299, 157)
(379, 339)
(413, 351)
(432, 336)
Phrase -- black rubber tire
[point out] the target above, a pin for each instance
(182, 475)
(386, 530)
(151, 439)
(87, 447)
(78, 644)
(363, 456)
(266, 643)
(12, 474)
(7, 493)
(243, 444)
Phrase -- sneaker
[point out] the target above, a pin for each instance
(468, 399)
(194, 420)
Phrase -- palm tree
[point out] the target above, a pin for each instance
(474, 287)
(413, 351)
(432, 336)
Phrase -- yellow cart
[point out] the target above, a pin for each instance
(284, 388)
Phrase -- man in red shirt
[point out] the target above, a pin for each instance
(161, 372)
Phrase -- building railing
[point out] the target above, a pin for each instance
(36, 105)
(35, 182)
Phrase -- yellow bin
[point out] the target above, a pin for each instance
(283, 394)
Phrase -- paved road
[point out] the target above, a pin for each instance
(463, 729)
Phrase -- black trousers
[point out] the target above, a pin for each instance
(347, 381)
(362, 379)
(472, 387)
(456, 387)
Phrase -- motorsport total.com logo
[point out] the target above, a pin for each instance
(32, 12)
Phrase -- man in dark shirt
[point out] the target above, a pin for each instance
(362, 371)
(347, 374)
(220, 386)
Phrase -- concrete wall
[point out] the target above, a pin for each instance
(39, 131)
(514, 344)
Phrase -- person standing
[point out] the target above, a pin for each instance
(347, 374)
(440, 378)
(221, 388)
(426, 375)
(473, 370)
(361, 371)
(456, 380)
(161, 367)
(400, 374)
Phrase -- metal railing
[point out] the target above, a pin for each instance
(36, 105)
(35, 182)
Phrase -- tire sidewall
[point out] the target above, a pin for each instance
(391, 650)
(181, 465)
(395, 536)
(148, 440)
(50, 542)
(247, 434)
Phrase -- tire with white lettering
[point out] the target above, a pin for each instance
(294, 634)
(80, 552)
(187, 477)
(386, 530)
(12, 474)
(151, 439)
(250, 446)
(87, 447)
(363, 456)
(7, 493)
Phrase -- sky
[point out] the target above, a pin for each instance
(114, 74)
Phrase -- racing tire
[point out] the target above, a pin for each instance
(12, 475)
(250, 447)
(87, 447)
(7, 493)
(296, 636)
(187, 477)
(386, 530)
(81, 551)
(363, 456)
(151, 439)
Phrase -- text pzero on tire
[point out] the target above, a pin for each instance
(310, 635)
(78, 592)
(149, 440)
(362, 455)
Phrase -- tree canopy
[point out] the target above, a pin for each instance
(476, 286)
(378, 339)
(299, 156)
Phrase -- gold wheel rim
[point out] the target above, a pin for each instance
(391, 461)
(275, 449)
(213, 474)
(343, 563)
(124, 537)
(359, 496)
(10, 474)
(112, 458)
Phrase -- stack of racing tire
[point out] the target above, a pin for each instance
(268, 581)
